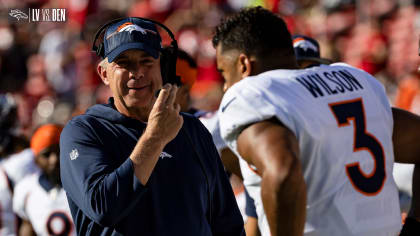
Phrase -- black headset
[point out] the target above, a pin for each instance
(169, 54)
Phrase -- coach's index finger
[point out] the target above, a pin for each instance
(163, 95)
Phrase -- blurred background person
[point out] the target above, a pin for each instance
(8, 220)
(16, 161)
(186, 68)
(307, 52)
(11, 141)
(251, 225)
(39, 199)
(16, 158)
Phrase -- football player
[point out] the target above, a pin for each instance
(321, 140)
(39, 199)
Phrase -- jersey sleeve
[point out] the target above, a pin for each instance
(211, 122)
(246, 103)
(19, 165)
(20, 193)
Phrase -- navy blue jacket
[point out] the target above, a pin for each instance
(106, 198)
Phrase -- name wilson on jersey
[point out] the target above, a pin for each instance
(329, 83)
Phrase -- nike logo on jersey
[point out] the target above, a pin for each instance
(165, 154)
(227, 104)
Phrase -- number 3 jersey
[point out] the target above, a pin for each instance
(44, 206)
(343, 122)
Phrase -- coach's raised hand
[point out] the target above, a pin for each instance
(164, 120)
(163, 125)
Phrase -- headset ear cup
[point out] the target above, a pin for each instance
(164, 66)
(172, 57)
(100, 50)
(168, 66)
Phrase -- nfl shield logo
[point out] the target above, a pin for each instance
(74, 154)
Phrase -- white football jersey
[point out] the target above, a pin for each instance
(47, 211)
(403, 176)
(19, 165)
(8, 221)
(343, 122)
(211, 121)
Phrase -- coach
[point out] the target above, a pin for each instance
(136, 166)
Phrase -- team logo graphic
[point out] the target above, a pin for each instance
(18, 14)
(74, 154)
(39, 15)
(165, 154)
(304, 44)
(130, 27)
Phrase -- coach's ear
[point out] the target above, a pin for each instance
(101, 69)
(245, 65)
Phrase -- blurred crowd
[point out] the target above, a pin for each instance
(51, 72)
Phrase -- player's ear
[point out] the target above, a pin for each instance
(244, 64)
(101, 70)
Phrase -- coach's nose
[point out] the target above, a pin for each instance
(137, 72)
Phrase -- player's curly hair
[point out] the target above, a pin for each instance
(254, 31)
